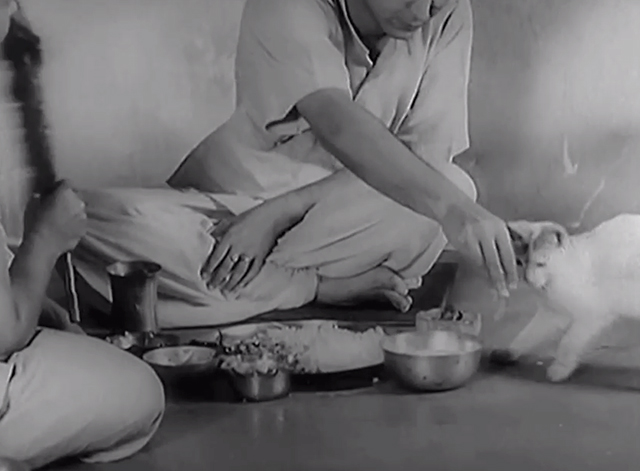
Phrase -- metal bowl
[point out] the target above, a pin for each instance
(182, 362)
(139, 342)
(437, 360)
(259, 387)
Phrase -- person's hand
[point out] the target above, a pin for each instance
(484, 238)
(56, 317)
(59, 218)
(242, 245)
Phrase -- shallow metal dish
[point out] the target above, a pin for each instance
(137, 343)
(182, 362)
(246, 330)
(336, 380)
(424, 368)
(259, 387)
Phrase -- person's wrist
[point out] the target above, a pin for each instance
(43, 244)
(455, 207)
(287, 210)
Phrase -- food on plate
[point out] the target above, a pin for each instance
(450, 318)
(180, 356)
(314, 347)
(239, 364)
(451, 314)
(257, 354)
(239, 331)
(327, 347)
(124, 341)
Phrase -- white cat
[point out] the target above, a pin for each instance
(588, 280)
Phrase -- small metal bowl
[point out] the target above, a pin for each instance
(260, 387)
(438, 360)
(182, 362)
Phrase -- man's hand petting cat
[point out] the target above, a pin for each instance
(483, 238)
(244, 242)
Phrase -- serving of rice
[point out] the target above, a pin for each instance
(307, 347)
(325, 347)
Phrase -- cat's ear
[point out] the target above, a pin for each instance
(521, 234)
(523, 231)
(559, 233)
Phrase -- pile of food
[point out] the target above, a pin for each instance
(448, 317)
(257, 353)
(124, 341)
(180, 356)
(313, 347)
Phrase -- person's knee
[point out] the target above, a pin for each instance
(104, 400)
(136, 414)
(130, 405)
(143, 393)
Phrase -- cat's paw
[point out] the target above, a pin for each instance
(558, 372)
(504, 357)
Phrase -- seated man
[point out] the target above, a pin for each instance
(63, 394)
(333, 179)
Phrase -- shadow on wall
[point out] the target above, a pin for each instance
(555, 108)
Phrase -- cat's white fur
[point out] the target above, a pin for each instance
(587, 280)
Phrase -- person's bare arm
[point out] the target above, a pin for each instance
(53, 227)
(23, 291)
(296, 203)
(365, 146)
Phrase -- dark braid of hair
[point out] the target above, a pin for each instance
(21, 49)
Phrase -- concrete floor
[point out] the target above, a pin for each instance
(499, 420)
(504, 418)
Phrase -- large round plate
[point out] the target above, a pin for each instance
(363, 375)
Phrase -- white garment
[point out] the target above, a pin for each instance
(72, 395)
(6, 369)
(333, 240)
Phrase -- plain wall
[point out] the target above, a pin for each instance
(132, 85)
(555, 108)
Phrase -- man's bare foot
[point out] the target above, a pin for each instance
(11, 465)
(380, 283)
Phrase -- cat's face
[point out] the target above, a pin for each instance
(537, 246)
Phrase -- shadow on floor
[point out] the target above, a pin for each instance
(607, 372)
